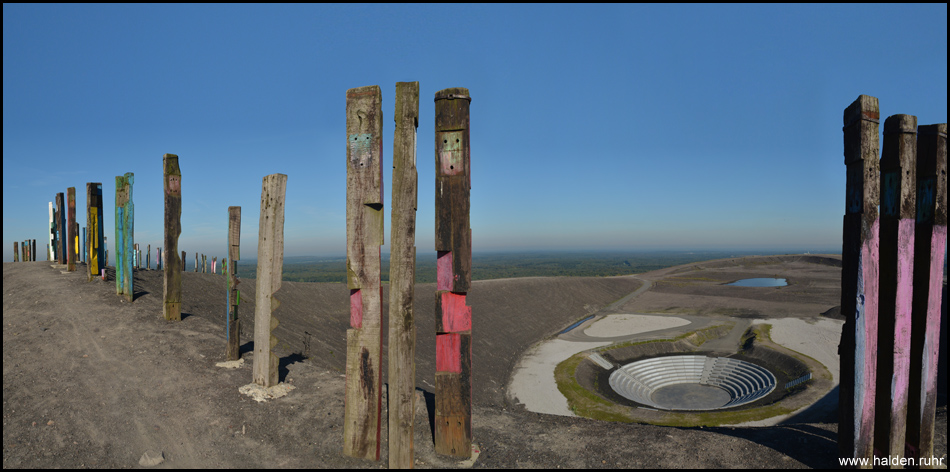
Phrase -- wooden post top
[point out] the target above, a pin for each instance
(452, 113)
(863, 110)
(932, 174)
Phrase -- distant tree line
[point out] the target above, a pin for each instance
(502, 265)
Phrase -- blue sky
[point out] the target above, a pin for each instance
(633, 127)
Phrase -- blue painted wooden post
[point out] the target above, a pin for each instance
(897, 183)
(859, 280)
(930, 248)
(124, 234)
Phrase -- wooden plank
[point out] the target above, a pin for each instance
(232, 322)
(364, 236)
(453, 432)
(171, 278)
(897, 184)
(859, 279)
(402, 269)
(930, 248)
(270, 263)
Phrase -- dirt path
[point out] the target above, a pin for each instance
(92, 381)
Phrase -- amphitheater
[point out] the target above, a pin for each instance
(692, 382)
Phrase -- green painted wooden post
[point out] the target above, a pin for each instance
(402, 270)
(124, 234)
(897, 184)
(364, 236)
(171, 280)
(930, 249)
(16, 251)
(233, 326)
(859, 280)
(453, 243)
(270, 263)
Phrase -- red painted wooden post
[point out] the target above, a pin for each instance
(364, 236)
(859, 279)
(930, 248)
(453, 243)
(897, 184)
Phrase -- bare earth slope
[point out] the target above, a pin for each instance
(90, 380)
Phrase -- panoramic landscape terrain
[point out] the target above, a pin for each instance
(90, 380)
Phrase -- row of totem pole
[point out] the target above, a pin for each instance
(364, 233)
(891, 284)
(453, 244)
(25, 249)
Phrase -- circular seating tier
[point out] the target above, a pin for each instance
(743, 381)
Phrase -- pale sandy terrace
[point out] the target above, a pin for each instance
(532, 382)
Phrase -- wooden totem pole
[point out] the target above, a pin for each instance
(72, 235)
(270, 263)
(171, 309)
(233, 327)
(453, 243)
(402, 271)
(60, 228)
(897, 184)
(930, 248)
(364, 236)
(51, 247)
(124, 233)
(859, 280)
(94, 244)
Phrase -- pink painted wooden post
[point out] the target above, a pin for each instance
(930, 248)
(453, 243)
(859, 279)
(897, 184)
(364, 236)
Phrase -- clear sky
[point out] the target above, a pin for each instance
(633, 127)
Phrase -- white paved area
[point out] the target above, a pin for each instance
(816, 339)
(622, 325)
(533, 381)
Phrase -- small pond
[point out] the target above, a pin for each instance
(762, 282)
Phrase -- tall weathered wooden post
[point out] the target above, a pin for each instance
(270, 263)
(172, 275)
(364, 236)
(148, 257)
(453, 243)
(33, 251)
(897, 184)
(16, 251)
(124, 234)
(51, 247)
(60, 228)
(402, 272)
(183, 259)
(859, 280)
(72, 235)
(930, 248)
(94, 244)
(233, 349)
